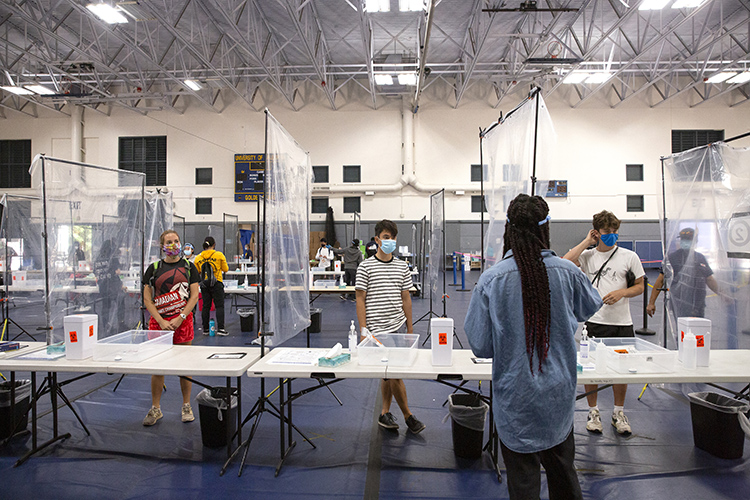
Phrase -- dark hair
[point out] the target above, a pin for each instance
(209, 242)
(527, 239)
(606, 220)
(386, 225)
(323, 240)
(355, 242)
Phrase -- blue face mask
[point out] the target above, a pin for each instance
(388, 246)
(609, 239)
(686, 244)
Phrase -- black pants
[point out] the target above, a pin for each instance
(524, 475)
(214, 294)
(350, 276)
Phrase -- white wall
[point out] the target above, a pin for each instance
(595, 144)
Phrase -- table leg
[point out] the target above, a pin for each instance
(226, 424)
(239, 410)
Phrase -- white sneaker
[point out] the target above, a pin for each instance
(594, 421)
(187, 413)
(620, 422)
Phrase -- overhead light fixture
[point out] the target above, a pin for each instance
(107, 13)
(412, 5)
(459, 193)
(687, 4)
(743, 77)
(16, 90)
(653, 4)
(369, 193)
(407, 78)
(193, 85)
(576, 77)
(39, 89)
(721, 77)
(383, 79)
(377, 5)
(599, 77)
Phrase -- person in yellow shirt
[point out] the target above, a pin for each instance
(212, 283)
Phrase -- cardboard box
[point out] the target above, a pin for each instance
(81, 335)
(441, 338)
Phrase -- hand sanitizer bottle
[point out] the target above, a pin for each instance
(690, 351)
(584, 347)
(352, 338)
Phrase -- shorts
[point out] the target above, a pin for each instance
(607, 331)
(182, 335)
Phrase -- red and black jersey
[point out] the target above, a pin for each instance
(171, 285)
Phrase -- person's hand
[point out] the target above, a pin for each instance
(165, 325)
(592, 238)
(613, 297)
(650, 310)
(175, 322)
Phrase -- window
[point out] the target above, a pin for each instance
(15, 159)
(682, 140)
(633, 172)
(635, 203)
(351, 204)
(352, 173)
(476, 173)
(204, 176)
(320, 204)
(477, 204)
(203, 206)
(147, 155)
(321, 173)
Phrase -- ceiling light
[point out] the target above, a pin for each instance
(107, 13)
(411, 5)
(193, 85)
(576, 77)
(653, 4)
(599, 77)
(17, 90)
(687, 4)
(741, 78)
(40, 89)
(377, 5)
(720, 77)
(383, 79)
(407, 79)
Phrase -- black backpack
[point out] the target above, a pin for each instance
(208, 278)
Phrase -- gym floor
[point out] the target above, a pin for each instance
(354, 457)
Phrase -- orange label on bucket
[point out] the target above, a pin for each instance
(91, 330)
(73, 336)
(443, 338)
(701, 342)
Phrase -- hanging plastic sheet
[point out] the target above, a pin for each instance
(94, 220)
(357, 227)
(158, 219)
(436, 262)
(179, 226)
(287, 226)
(232, 238)
(517, 149)
(705, 213)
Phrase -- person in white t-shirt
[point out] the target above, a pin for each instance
(324, 256)
(608, 267)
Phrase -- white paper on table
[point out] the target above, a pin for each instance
(296, 357)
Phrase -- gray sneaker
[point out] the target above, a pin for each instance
(387, 421)
(594, 421)
(620, 422)
(187, 413)
(153, 415)
(414, 425)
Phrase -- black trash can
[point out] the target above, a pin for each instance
(214, 416)
(247, 319)
(468, 414)
(315, 320)
(10, 422)
(716, 426)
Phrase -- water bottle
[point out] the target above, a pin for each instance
(690, 351)
(584, 345)
(352, 338)
(212, 327)
(601, 358)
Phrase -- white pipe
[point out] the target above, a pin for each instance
(76, 133)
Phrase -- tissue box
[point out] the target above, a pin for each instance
(336, 360)
(81, 334)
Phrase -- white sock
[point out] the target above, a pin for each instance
(595, 407)
(617, 409)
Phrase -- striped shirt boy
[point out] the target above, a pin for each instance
(384, 282)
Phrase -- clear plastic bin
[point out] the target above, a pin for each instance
(634, 355)
(324, 283)
(133, 346)
(394, 349)
(231, 283)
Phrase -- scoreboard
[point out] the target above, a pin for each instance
(249, 176)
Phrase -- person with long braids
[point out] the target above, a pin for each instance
(524, 312)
